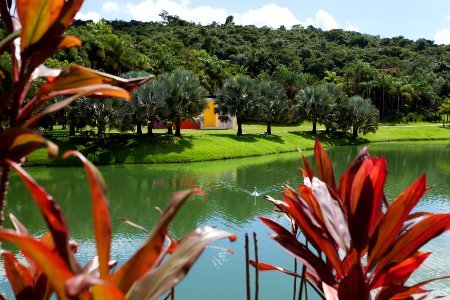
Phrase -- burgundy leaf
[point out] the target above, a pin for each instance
(345, 185)
(354, 285)
(317, 266)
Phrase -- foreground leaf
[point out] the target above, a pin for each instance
(76, 79)
(52, 265)
(317, 266)
(100, 212)
(392, 222)
(18, 276)
(36, 17)
(19, 142)
(172, 270)
(324, 167)
(150, 253)
(53, 215)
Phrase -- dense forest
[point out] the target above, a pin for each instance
(404, 78)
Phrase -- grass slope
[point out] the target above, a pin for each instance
(202, 145)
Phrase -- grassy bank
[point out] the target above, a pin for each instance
(201, 145)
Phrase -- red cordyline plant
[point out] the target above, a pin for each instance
(359, 248)
(33, 35)
(158, 265)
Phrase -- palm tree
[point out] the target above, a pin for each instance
(184, 97)
(272, 102)
(102, 113)
(237, 98)
(315, 104)
(363, 115)
(336, 111)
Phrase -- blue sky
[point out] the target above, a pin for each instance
(412, 19)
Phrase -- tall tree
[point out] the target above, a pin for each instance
(383, 81)
(237, 98)
(401, 90)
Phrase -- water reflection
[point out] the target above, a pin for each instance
(135, 191)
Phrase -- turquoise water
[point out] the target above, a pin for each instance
(134, 192)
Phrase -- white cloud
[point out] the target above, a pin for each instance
(270, 15)
(92, 15)
(149, 10)
(323, 20)
(351, 27)
(442, 36)
(110, 7)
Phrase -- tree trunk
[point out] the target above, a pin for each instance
(269, 127)
(314, 129)
(71, 130)
(169, 128)
(139, 129)
(150, 129)
(239, 124)
(382, 107)
(355, 133)
(178, 127)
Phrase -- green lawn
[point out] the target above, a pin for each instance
(200, 145)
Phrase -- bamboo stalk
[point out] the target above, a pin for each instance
(295, 278)
(302, 280)
(247, 269)
(3, 192)
(255, 240)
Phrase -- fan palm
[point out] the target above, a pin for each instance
(315, 104)
(237, 98)
(272, 102)
(363, 115)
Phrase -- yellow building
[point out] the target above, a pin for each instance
(211, 120)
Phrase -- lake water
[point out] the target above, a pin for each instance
(135, 190)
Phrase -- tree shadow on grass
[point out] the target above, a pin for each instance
(332, 139)
(119, 148)
(251, 138)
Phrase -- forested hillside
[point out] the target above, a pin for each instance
(404, 78)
